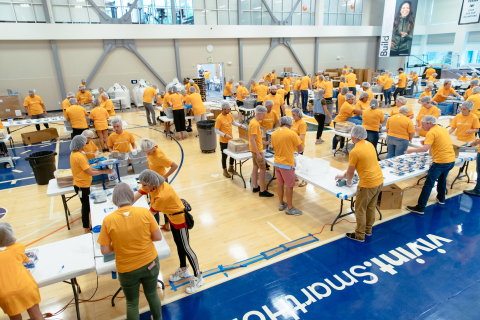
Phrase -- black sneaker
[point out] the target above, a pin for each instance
(265, 194)
(472, 193)
(352, 236)
(415, 209)
(439, 202)
(255, 190)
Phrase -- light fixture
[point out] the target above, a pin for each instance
(24, 5)
(78, 7)
(257, 8)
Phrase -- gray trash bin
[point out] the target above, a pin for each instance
(330, 105)
(207, 136)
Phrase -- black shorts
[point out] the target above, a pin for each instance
(179, 120)
(239, 103)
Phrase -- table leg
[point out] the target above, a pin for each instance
(340, 215)
(75, 295)
(273, 178)
(115, 295)
(241, 174)
(460, 174)
(67, 211)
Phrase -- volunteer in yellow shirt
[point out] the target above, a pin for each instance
(387, 89)
(346, 69)
(256, 148)
(35, 108)
(401, 84)
(287, 83)
(65, 103)
(363, 159)
(305, 84)
(465, 124)
(351, 81)
(285, 142)
(277, 99)
(164, 199)
(474, 76)
(268, 77)
(228, 91)
(121, 140)
(463, 77)
(468, 93)
(429, 72)
(296, 94)
(366, 89)
(253, 84)
(148, 96)
(207, 73)
(342, 83)
(191, 83)
(18, 289)
(299, 126)
(176, 102)
(432, 78)
(445, 91)
(272, 118)
(372, 119)
(427, 109)
(84, 97)
(328, 88)
(130, 232)
(426, 93)
(319, 84)
(107, 104)
(475, 191)
(439, 142)
(99, 117)
(198, 108)
(415, 78)
(242, 93)
(341, 98)
(281, 91)
(261, 90)
(362, 103)
(223, 127)
(347, 110)
(475, 98)
(82, 176)
(401, 101)
(400, 131)
(83, 82)
(76, 115)
(91, 150)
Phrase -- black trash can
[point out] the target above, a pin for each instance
(207, 136)
(43, 165)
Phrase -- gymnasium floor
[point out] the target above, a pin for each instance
(231, 225)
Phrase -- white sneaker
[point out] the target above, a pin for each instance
(333, 151)
(180, 274)
(195, 283)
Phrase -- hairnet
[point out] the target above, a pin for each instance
(81, 87)
(117, 121)
(351, 70)
(191, 82)
(298, 112)
(236, 84)
(260, 109)
(430, 85)
(96, 102)
(327, 78)
(404, 110)
(476, 90)
(7, 237)
(72, 101)
(349, 96)
(366, 85)
(344, 90)
(273, 87)
(268, 103)
(426, 99)
(77, 143)
(390, 74)
(414, 72)
(259, 81)
(226, 105)
(273, 70)
(359, 132)
(169, 89)
(286, 120)
(374, 104)
(429, 119)
(343, 78)
(71, 94)
(474, 82)
(468, 104)
(375, 79)
(174, 89)
(344, 71)
(154, 85)
(434, 74)
(320, 77)
(151, 178)
(122, 195)
(192, 89)
(105, 95)
(364, 95)
(183, 91)
(252, 80)
(102, 89)
(309, 75)
(31, 91)
(319, 94)
(162, 92)
(83, 80)
(147, 144)
(382, 73)
(402, 100)
(474, 74)
(241, 82)
(88, 134)
(447, 81)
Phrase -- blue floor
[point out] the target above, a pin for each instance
(383, 278)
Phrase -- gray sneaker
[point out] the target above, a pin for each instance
(282, 206)
(294, 211)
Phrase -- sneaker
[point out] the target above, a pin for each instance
(439, 202)
(265, 194)
(352, 236)
(415, 209)
(319, 142)
(255, 190)
(180, 274)
(472, 193)
(282, 206)
(195, 283)
(333, 151)
(293, 212)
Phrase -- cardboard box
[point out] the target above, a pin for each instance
(290, 69)
(64, 178)
(390, 197)
(39, 136)
(331, 74)
(238, 145)
(243, 133)
(216, 113)
(367, 75)
(11, 107)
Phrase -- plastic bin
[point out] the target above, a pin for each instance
(207, 136)
(357, 120)
(43, 166)
(168, 112)
(445, 108)
(249, 103)
(139, 164)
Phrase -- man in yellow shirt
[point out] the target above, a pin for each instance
(363, 159)
(277, 99)
(444, 92)
(148, 96)
(84, 97)
(463, 77)
(253, 84)
(305, 84)
(35, 108)
(351, 81)
(429, 72)
(76, 116)
(261, 90)
(401, 84)
(468, 93)
(296, 94)
(285, 142)
(346, 69)
(206, 74)
(475, 98)
(242, 93)
(65, 103)
(439, 142)
(228, 91)
(287, 82)
(121, 140)
(272, 118)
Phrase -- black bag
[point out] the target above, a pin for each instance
(188, 216)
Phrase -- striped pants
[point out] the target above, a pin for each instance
(181, 238)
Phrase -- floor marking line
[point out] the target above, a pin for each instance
(16, 180)
(201, 185)
(48, 225)
(276, 229)
(51, 207)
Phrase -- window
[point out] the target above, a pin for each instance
(342, 12)
(439, 57)
(473, 57)
(30, 11)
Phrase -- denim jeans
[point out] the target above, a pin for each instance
(396, 146)
(438, 172)
(304, 99)
(388, 96)
(353, 89)
(336, 139)
(296, 99)
(477, 187)
(372, 137)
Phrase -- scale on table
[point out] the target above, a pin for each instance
(112, 179)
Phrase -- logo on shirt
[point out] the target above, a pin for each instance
(126, 214)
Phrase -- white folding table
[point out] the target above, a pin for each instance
(54, 190)
(241, 158)
(167, 119)
(29, 122)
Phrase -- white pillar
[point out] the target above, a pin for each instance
(460, 45)
(319, 4)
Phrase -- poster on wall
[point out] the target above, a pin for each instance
(470, 12)
(397, 28)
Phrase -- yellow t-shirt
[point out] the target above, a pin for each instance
(270, 119)
(285, 142)
(297, 85)
(476, 104)
(328, 87)
(267, 77)
(207, 74)
(261, 91)
(76, 115)
(415, 78)
(281, 92)
(158, 162)
(164, 199)
(121, 142)
(388, 83)
(226, 92)
(320, 84)
(65, 105)
(287, 82)
(396, 108)
(85, 97)
(360, 105)
(34, 104)
(432, 111)
(341, 99)
(305, 82)
(370, 95)
(346, 111)
(99, 117)
(341, 85)
(166, 100)
(431, 79)
(425, 94)
(463, 79)
(90, 150)
(224, 124)
(429, 72)
(402, 80)
(108, 105)
(254, 128)
(442, 148)
(192, 85)
(346, 69)
(300, 127)
(372, 118)
(381, 80)
(148, 94)
(462, 124)
(468, 93)
(195, 99)
(177, 101)
(277, 101)
(240, 92)
(364, 157)
(443, 92)
(130, 230)
(400, 126)
(351, 78)
(79, 165)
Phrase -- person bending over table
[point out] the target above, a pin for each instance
(347, 110)
(228, 90)
(83, 96)
(320, 111)
(426, 93)
(372, 121)
(223, 127)
(158, 162)
(100, 120)
(35, 108)
(468, 93)
(76, 116)
(82, 176)
(195, 100)
(66, 103)
(121, 140)
(439, 142)
(148, 96)
(444, 92)
(341, 98)
(401, 101)
(427, 109)
(299, 126)
(91, 150)
(363, 159)
(285, 142)
(18, 289)
(256, 148)
(107, 104)
(277, 99)
(129, 232)
(475, 99)
(272, 118)
(261, 90)
(362, 103)
(164, 199)
(465, 124)
(400, 132)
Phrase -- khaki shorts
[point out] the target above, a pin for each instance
(259, 164)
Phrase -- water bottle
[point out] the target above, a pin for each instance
(114, 275)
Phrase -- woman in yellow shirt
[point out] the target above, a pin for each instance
(91, 150)
(191, 83)
(347, 110)
(465, 125)
(198, 108)
(372, 120)
(341, 98)
(463, 77)
(99, 117)
(362, 103)
(427, 109)
(401, 101)
(400, 132)
(328, 87)
(129, 232)
(176, 102)
(342, 83)
(107, 104)
(426, 93)
(296, 94)
(432, 78)
(164, 199)
(299, 126)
